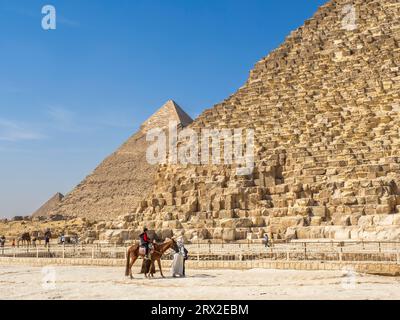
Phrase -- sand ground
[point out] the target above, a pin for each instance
(60, 282)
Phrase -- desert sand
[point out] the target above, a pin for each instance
(61, 282)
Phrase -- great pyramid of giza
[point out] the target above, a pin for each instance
(325, 110)
(49, 206)
(122, 179)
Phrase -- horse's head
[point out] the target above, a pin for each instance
(172, 244)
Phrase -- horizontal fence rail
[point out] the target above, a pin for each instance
(292, 251)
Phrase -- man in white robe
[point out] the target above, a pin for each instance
(177, 263)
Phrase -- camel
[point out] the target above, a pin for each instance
(24, 238)
(134, 253)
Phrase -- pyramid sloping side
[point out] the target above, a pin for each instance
(49, 206)
(117, 185)
(183, 117)
(325, 110)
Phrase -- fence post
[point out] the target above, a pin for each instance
(305, 250)
(92, 252)
(37, 252)
(63, 251)
(341, 254)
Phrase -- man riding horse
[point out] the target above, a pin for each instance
(135, 251)
(145, 243)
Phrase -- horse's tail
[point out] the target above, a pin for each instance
(128, 256)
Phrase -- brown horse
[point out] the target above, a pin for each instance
(159, 249)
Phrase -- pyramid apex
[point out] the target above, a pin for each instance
(170, 111)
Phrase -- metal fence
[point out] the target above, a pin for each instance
(299, 250)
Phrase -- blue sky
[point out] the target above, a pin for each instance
(71, 96)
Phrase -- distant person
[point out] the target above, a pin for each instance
(185, 257)
(145, 242)
(62, 239)
(13, 243)
(47, 237)
(266, 239)
(2, 241)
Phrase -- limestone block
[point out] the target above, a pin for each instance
(319, 211)
(291, 234)
(384, 220)
(229, 234)
(164, 233)
(384, 209)
(258, 221)
(128, 218)
(296, 210)
(244, 223)
(310, 232)
(315, 221)
(252, 236)
(241, 234)
(217, 233)
(226, 214)
(343, 234)
(287, 222)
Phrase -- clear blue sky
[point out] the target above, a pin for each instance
(71, 96)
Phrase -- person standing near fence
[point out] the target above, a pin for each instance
(47, 236)
(266, 239)
(2, 241)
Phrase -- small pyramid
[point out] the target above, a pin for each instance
(118, 184)
(49, 206)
